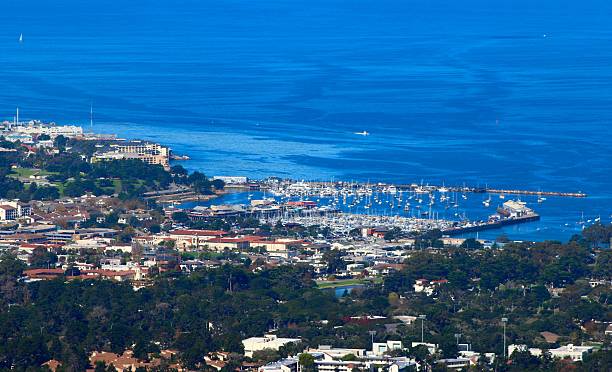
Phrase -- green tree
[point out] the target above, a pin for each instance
(307, 361)
(471, 243)
(41, 257)
(180, 217)
(266, 355)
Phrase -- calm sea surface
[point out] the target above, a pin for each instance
(506, 93)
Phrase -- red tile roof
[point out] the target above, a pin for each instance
(199, 232)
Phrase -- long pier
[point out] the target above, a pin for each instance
(491, 224)
(432, 188)
(538, 193)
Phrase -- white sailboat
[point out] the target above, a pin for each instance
(21, 38)
(487, 202)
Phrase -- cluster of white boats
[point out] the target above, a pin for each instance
(416, 201)
(343, 223)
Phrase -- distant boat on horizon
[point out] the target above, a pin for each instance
(364, 133)
(21, 38)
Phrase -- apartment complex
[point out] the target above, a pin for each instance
(13, 209)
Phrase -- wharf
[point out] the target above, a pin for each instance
(491, 224)
(538, 193)
(434, 188)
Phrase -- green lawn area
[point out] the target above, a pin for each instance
(27, 172)
(343, 282)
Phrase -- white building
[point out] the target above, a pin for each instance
(516, 208)
(266, 342)
(283, 365)
(21, 137)
(232, 180)
(381, 348)
(570, 351)
(337, 353)
(36, 129)
(13, 209)
(406, 319)
(368, 364)
(455, 363)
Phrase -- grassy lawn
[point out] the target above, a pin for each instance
(343, 282)
(27, 172)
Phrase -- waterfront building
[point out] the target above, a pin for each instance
(232, 180)
(38, 129)
(148, 152)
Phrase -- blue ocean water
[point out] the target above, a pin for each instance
(506, 93)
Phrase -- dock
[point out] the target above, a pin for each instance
(489, 225)
(428, 188)
(537, 193)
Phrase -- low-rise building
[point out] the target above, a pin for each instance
(337, 353)
(232, 244)
(455, 363)
(382, 348)
(273, 342)
(283, 365)
(570, 351)
(194, 238)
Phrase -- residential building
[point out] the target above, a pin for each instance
(13, 209)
